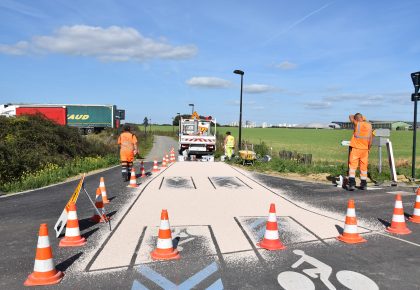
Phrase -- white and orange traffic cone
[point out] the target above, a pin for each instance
(271, 240)
(103, 191)
(44, 272)
(167, 158)
(142, 171)
(172, 160)
(165, 249)
(350, 234)
(72, 237)
(163, 162)
(398, 225)
(415, 218)
(100, 206)
(155, 166)
(133, 179)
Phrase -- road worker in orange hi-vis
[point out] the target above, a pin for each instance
(360, 144)
(127, 143)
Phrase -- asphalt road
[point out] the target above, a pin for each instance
(210, 260)
(22, 214)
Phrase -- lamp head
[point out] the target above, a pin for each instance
(238, 72)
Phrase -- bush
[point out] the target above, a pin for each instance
(29, 143)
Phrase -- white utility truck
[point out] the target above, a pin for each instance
(197, 137)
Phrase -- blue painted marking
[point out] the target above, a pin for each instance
(187, 284)
(218, 285)
(198, 277)
(138, 286)
(156, 277)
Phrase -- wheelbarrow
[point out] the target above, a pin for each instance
(248, 157)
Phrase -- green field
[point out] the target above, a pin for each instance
(323, 144)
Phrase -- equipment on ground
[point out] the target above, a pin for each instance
(87, 118)
(247, 157)
(197, 137)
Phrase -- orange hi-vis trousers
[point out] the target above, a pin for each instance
(358, 156)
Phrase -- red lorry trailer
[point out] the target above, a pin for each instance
(56, 114)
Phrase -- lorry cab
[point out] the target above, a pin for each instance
(197, 136)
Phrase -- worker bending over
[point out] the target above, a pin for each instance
(229, 145)
(127, 142)
(360, 144)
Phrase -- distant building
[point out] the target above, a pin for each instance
(264, 125)
(392, 125)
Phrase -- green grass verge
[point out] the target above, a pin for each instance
(53, 173)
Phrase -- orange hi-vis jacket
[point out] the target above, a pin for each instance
(127, 141)
(362, 135)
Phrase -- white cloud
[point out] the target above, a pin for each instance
(208, 82)
(257, 88)
(113, 43)
(286, 65)
(317, 105)
(17, 49)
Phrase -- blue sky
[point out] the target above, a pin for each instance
(304, 61)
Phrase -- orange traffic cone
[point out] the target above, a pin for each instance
(398, 225)
(172, 160)
(167, 158)
(350, 234)
(44, 270)
(155, 166)
(103, 191)
(271, 239)
(165, 249)
(72, 237)
(142, 170)
(100, 206)
(133, 179)
(415, 218)
(163, 162)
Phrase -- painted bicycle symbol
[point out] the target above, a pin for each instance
(291, 280)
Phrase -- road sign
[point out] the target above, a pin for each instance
(195, 116)
(62, 220)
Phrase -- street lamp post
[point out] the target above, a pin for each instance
(415, 97)
(192, 109)
(239, 72)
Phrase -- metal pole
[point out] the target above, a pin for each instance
(240, 116)
(380, 159)
(413, 161)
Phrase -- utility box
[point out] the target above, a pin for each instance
(380, 137)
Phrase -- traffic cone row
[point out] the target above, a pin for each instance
(45, 272)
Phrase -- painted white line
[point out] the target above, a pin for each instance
(395, 238)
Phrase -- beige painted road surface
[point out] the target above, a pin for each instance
(201, 194)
